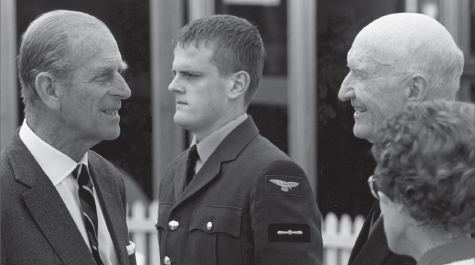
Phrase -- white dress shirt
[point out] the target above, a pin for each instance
(58, 167)
(207, 146)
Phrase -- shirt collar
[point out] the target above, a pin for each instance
(451, 252)
(207, 146)
(56, 165)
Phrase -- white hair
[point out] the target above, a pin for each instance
(46, 47)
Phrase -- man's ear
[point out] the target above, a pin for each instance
(416, 88)
(48, 90)
(241, 83)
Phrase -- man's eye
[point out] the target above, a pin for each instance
(358, 74)
(103, 77)
(184, 75)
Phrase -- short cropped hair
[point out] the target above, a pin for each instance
(46, 47)
(426, 160)
(441, 62)
(237, 45)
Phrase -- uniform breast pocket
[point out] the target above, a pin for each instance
(214, 235)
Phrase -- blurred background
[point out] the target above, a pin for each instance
(296, 107)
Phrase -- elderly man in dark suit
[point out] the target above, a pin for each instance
(233, 197)
(396, 59)
(60, 202)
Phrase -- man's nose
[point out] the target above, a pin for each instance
(122, 90)
(175, 86)
(346, 90)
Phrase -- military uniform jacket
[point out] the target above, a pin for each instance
(36, 226)
(374, 250)
(248, 204)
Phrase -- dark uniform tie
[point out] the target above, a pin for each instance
(190, 163)
(88, 205)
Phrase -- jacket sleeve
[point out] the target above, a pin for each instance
(286, 221)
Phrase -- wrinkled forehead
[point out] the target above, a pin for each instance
(87, 44)
(369, 60)
(378, 47)
(89, 38)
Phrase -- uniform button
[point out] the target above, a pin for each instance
(173, 225)
(209, 226)
(156, 224)
(167, 261)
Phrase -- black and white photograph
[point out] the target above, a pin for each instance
(237, 132)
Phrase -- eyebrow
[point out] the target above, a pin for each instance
(353, 68)
(108, 66)
(187, 70)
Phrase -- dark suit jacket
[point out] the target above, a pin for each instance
(374, 250)
(37, 228)
(231, 212)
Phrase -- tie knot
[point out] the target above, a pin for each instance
(193, 153)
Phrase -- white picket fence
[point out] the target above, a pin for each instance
(338, 235)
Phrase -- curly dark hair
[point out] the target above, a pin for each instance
(426, 160)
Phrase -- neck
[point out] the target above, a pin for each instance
(59, 138)
(425, 238)
(231, 115)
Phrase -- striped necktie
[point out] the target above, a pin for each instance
(88, 205)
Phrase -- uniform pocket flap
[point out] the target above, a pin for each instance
(164, 210)
(217, 219)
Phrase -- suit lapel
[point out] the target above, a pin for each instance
(363, 235)
(47, 208)
(110, 206)
(180, 176)
(228, 150)
(376, 248)
(372, 250)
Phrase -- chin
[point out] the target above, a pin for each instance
(363, 133)
(181, 121)
(398, 242)
(111, 135)
(393, 248)
(398, 248)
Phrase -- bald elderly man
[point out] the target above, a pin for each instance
(396, 59)
(62, 203)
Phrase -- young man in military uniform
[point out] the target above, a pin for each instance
(242, 200)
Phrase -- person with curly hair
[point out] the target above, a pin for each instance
(425, 181)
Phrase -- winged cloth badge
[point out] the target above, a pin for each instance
(285, 186)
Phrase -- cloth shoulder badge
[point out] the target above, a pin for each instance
(284, 185)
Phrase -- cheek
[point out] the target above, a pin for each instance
(376, 102)
(71, 104)
(377, 113)
(386, 108)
